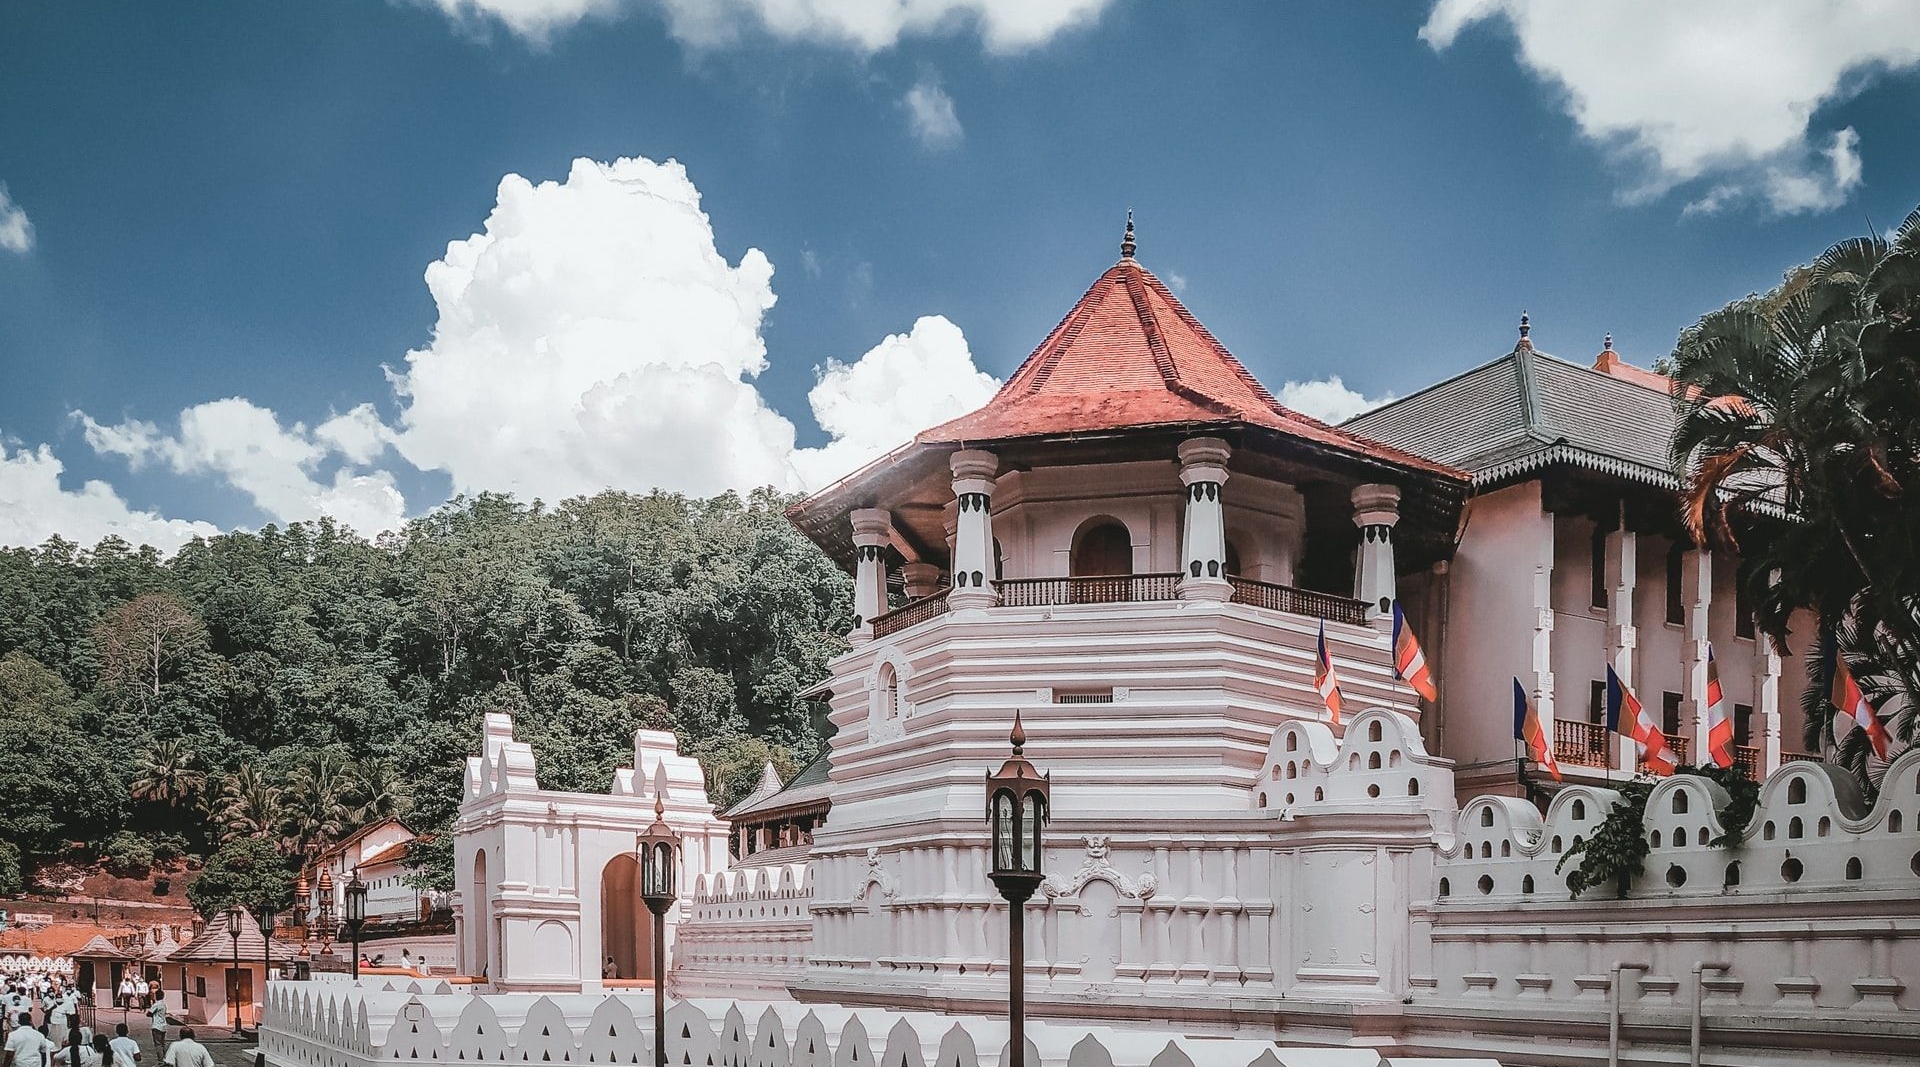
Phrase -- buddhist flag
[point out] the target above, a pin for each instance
(1719, 719)
(1855, 712)
(1409, 662)
(1626, 717)
(1528, 728)
(1325, 680)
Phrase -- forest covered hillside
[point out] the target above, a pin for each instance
(276, 689)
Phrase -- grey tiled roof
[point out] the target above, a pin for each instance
(1528, 410)
(809, 787)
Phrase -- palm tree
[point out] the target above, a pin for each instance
(378, 792)
(314, 804)
(1799, 405)
(250, 806)
(168, 775)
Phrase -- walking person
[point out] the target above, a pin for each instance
(188, 1052)
(158, 1013)
(126, 1051)
(26, 1046)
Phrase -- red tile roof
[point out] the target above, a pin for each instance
(1130, 355)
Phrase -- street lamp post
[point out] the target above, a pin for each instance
(659, 849)
(1017, 804)
(356, 915)
(233, 979)
(327, 927)
(265, 916)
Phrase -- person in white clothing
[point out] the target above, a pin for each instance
(126, 1051)
(30, 1047)
(186, 1052)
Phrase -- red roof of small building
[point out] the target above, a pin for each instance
(1131, 355)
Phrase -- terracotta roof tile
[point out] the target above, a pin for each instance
(1130, 355)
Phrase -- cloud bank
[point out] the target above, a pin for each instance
(590, 336)
(1327, 399)
(34, 507)
(1718, 93)
(16, 230)
(865, 26)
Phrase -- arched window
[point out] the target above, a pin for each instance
(1103, 548)
(888, 692)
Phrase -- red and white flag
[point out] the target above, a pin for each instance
(1531, 732)
(1625, 716)
(1409, 660)
(1719, 717)
(1325, 680)
(1855, 712)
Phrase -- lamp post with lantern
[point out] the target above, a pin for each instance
(659, 849)
(265, 915)
(356, 915)
(327, 927)
(1017, 805)
(233, 978)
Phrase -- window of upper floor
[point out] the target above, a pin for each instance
(1102, 548)
(1676, 599)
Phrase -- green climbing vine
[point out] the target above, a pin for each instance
(1617, 851)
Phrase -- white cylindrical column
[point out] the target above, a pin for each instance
(973, 473)
(871, 527)
(1376, 510)
(1203, 470)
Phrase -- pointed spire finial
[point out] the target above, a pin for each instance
(1126, 243)
(659, 804)
(1607, 344)
(1526, 326)
(1019, 736)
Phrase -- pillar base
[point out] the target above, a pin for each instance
(964, 599)
(864, 635)
(1217, 590)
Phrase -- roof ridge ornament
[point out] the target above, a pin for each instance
(1606, 344)
(1526, 327)
(1127, 244)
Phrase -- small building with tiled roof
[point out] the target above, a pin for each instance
(1573, 558)
(218, 977)
(775, 823)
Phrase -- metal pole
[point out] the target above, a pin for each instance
(1699, 994)
(659, 989)
(1017, 983)
(233, 984)
(1613, 1017)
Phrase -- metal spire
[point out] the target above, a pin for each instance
(1019, 736)
(1525, 326)
(1126, 243)
(1607, 345)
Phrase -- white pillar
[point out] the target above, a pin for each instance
(1766, 704)
(1622, 562)
(1203, 470)
(923, 579)
(1542, 603)
(1376, 510)
(973, 473)
(1696, 596)
(870, 529)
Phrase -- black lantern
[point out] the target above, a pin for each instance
(233, 984)
(356, 914)
(659, 849)
(1017, 804)
(265, 915)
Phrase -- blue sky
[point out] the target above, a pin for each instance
(220, 216)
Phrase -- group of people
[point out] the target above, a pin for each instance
(60, 1040)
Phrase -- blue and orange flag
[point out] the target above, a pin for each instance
(1719, 720)
(1626, 717)
(1409, 661)
(1528, 728)
(1325, 680)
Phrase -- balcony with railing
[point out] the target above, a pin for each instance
(1582, 744)
(1749, 760)
(1294, 601)
(1680, 746)
(1097, 589)
(912, 613)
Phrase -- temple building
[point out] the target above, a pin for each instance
(1138, 550)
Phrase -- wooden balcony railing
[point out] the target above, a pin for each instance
(910, 614)
(1299, 601)
(1583, 744)
(1680, 746)
(1748, 759)
(1797, 757)
(1102, 589)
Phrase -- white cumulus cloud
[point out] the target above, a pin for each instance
(16, 230)
(930, 115)
(903, 385)
(863, 25)
(1327, 399)
(1715, 91)
(245, 445)
(33, 507)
